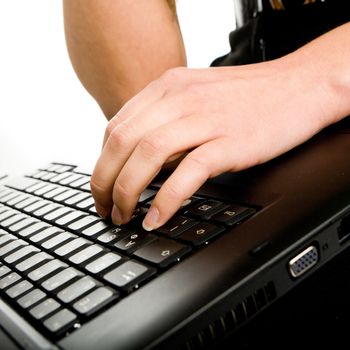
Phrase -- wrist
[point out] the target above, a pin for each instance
(322, 85)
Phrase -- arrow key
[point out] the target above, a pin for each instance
(201, 233)
(162, 251)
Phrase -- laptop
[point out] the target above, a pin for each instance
(236, 249)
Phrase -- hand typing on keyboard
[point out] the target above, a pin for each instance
(226, 118)
(210, 114)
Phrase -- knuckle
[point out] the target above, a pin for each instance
(110, 127)
(171, 191)
(173, 75)
(121, 136)
(152, 145)
(199, 163)
(195, 91)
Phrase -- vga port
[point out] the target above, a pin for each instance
(303, 262)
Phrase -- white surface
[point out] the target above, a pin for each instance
(45, 113)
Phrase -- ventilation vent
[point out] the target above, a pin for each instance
(233, 318)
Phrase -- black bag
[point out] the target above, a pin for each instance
(272, 34)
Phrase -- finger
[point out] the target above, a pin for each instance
(150, 155)
(120, 145)
(206, 161)
(149, 95)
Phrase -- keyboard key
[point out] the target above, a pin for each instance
(61, 320)
(9, 280)
(86, 254)
(96, 228)
(21, 253)
(32, 229)
(45, 189)
(95, 300)
(65, 195)
(5, 192)
(9, 197)
(201, 233)
(176, 225)
(13, 220)
(45, 234)
(116, 234)
(17, 199)
(21, 183)
(71, 246)
(83, 222)
(162, 252)
(86, 187)
(38, 174)
(54, 192)
(4, 270)
(60, 279)
(47, 176)
(60, 168)
(44, 308)
(63, 168)
(70, 217)
(57, 213)
(6, 214)
(32, 261)
(23, 224)
(6, 238)
(31, 298)
(80, 182)
(19, 289)
(37, 185)
(205, 210)
(9, 247)
(87, 203)
(59, 177)
(146, 195)
(57, 239)
(37, 204)
(103, 263)
(46, 269)
(93, 210)
(134, 240)
(2, 232)
(128, 275)
(77, 289)
(69, 179)
(47, 209)
(77, 198)
(23, 204)
(233, 214)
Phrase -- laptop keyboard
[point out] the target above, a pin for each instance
(61, 264)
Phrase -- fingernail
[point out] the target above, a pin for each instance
(116, 216)
(150, 221)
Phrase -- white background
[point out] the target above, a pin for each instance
(45, 113)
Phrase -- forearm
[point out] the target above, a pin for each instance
(118, 46)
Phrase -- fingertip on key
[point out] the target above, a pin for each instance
(151, 220)
(117, 217)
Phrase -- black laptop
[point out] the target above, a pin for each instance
(237, 247)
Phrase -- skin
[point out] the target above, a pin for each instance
(215, 119)
(108, 39)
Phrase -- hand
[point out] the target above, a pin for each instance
(227, 119)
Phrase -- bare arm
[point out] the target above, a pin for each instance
(118, 46)
(228, 119)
